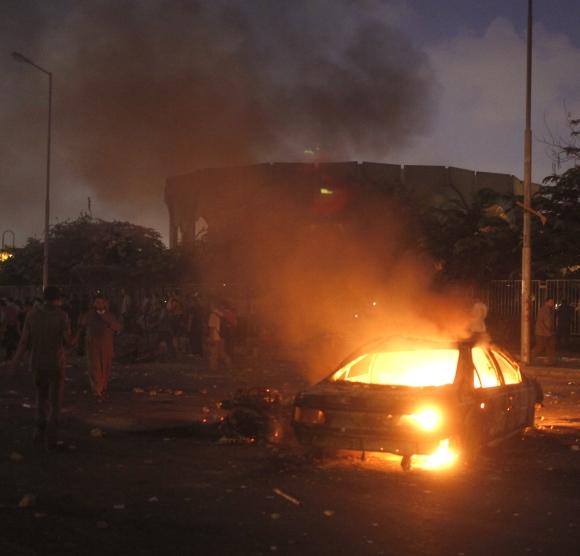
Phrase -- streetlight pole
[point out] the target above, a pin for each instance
(527, 231)
(23, 59)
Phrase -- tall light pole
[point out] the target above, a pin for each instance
(527, 232)
(21, 58)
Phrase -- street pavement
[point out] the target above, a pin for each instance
(128, 481)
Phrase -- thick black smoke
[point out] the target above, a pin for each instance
(145, 89)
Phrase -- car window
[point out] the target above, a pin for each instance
(356, 371)
(420, 367)
(485, 374)
(511, 374)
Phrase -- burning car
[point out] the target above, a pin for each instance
(407, 397)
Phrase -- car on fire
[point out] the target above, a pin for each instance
(412, 396)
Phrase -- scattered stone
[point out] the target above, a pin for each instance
(97, 433)
(138, 390)
(119, 506)
(153, 393)
(27, 501)
(153, 499)
(275, 516)
(575, 448)
(26, 406)
(16, 457)
(178, 393)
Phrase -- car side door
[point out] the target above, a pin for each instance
(518, 393)
(489, 393)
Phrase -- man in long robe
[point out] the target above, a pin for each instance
(100, 325)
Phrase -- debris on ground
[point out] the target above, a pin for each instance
(16, 457)
(97, 433)
(286, 496)
(27, 501)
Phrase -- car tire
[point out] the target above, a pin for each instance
(471, 440)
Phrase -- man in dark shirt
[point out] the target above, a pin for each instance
(46, 333)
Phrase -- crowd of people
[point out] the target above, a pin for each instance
(163, 326)
(43, 330)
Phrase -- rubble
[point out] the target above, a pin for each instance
(286, 496)
(16, 457)
(27, 501)
(97, 433)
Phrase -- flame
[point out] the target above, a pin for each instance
(426, 367)
(442, 457)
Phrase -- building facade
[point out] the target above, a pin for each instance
(223, 200)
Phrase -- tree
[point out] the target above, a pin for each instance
(557, 244)
(94, 252)
(477, 241)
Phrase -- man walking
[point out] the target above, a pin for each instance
(46, 332)
(546, 331)
(100, 325)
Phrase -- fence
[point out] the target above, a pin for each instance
(504, 299)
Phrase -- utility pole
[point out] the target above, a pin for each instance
(23, 59)
(527, 231)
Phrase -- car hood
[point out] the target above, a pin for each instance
(374, 398)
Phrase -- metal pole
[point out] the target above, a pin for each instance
(47, 199)
(527, 231)
(23, 59)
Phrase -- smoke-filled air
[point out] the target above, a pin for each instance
(148, 89)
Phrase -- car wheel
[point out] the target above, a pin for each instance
(471, 440)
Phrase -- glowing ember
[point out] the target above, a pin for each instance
(426, 367)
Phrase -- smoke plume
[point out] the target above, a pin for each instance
(151, 88)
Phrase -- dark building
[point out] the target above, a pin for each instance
(221, 201)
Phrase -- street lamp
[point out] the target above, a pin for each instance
(527, 231)
(23, 59)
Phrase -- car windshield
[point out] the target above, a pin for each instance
(423, 367)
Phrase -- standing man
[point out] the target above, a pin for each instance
(476, 326)
(100, 325)
(216, 350)
(46, 332)
(546, 331)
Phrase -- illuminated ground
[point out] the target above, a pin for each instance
(137, 491)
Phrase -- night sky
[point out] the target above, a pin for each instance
(152, 88)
